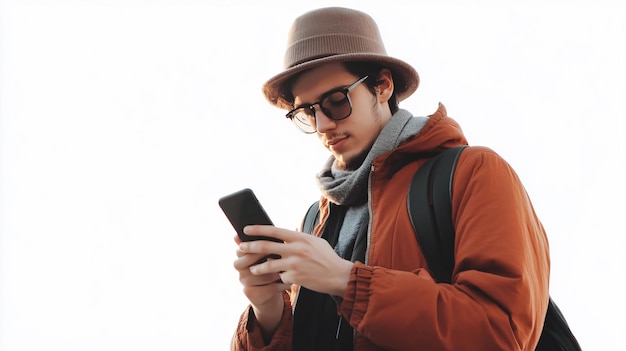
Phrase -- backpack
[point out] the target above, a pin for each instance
(430, 192)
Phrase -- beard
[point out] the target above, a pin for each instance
(357, 161)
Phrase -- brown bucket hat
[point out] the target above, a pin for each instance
(336, 34)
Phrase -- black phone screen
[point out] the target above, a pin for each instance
(243, 208)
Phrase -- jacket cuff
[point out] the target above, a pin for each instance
(249, 330)
(355, 300)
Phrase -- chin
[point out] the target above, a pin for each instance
(351, 163)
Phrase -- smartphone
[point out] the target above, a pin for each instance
(243, 208)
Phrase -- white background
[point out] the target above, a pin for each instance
(123, 122)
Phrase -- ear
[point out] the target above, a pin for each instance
(384, 85)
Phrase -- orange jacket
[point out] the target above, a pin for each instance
(499, 292)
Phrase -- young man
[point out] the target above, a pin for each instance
(361, 281)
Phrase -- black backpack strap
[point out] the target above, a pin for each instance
(311, 218)
(430, 210)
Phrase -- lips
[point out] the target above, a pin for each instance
(335, 143)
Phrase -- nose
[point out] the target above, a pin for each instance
(322, 123)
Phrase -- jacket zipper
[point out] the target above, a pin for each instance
(367, 248)
(369, 209)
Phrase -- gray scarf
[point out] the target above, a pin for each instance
(349, 187)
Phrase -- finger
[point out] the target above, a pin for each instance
(261, 250)
(245, 260)
(270, 266)
(282, 234)
(240, 253)
(259, 280)
(284, 278)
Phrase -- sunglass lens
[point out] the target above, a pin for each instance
(336, 106)
(304, 120)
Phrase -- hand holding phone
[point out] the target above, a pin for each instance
(243, 208)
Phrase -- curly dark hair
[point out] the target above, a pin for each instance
(372, 70)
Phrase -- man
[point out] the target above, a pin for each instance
(361, 281)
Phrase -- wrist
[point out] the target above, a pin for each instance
(343, 278)
(269, 315)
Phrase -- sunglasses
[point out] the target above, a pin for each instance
(335, 104)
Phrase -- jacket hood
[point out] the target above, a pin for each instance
(439, 133)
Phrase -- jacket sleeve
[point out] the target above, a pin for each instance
(499, 291)
(248, 335)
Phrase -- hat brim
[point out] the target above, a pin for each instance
(406, 79)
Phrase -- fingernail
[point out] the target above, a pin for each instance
(243, 247)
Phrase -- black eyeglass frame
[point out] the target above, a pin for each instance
(309, 109)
